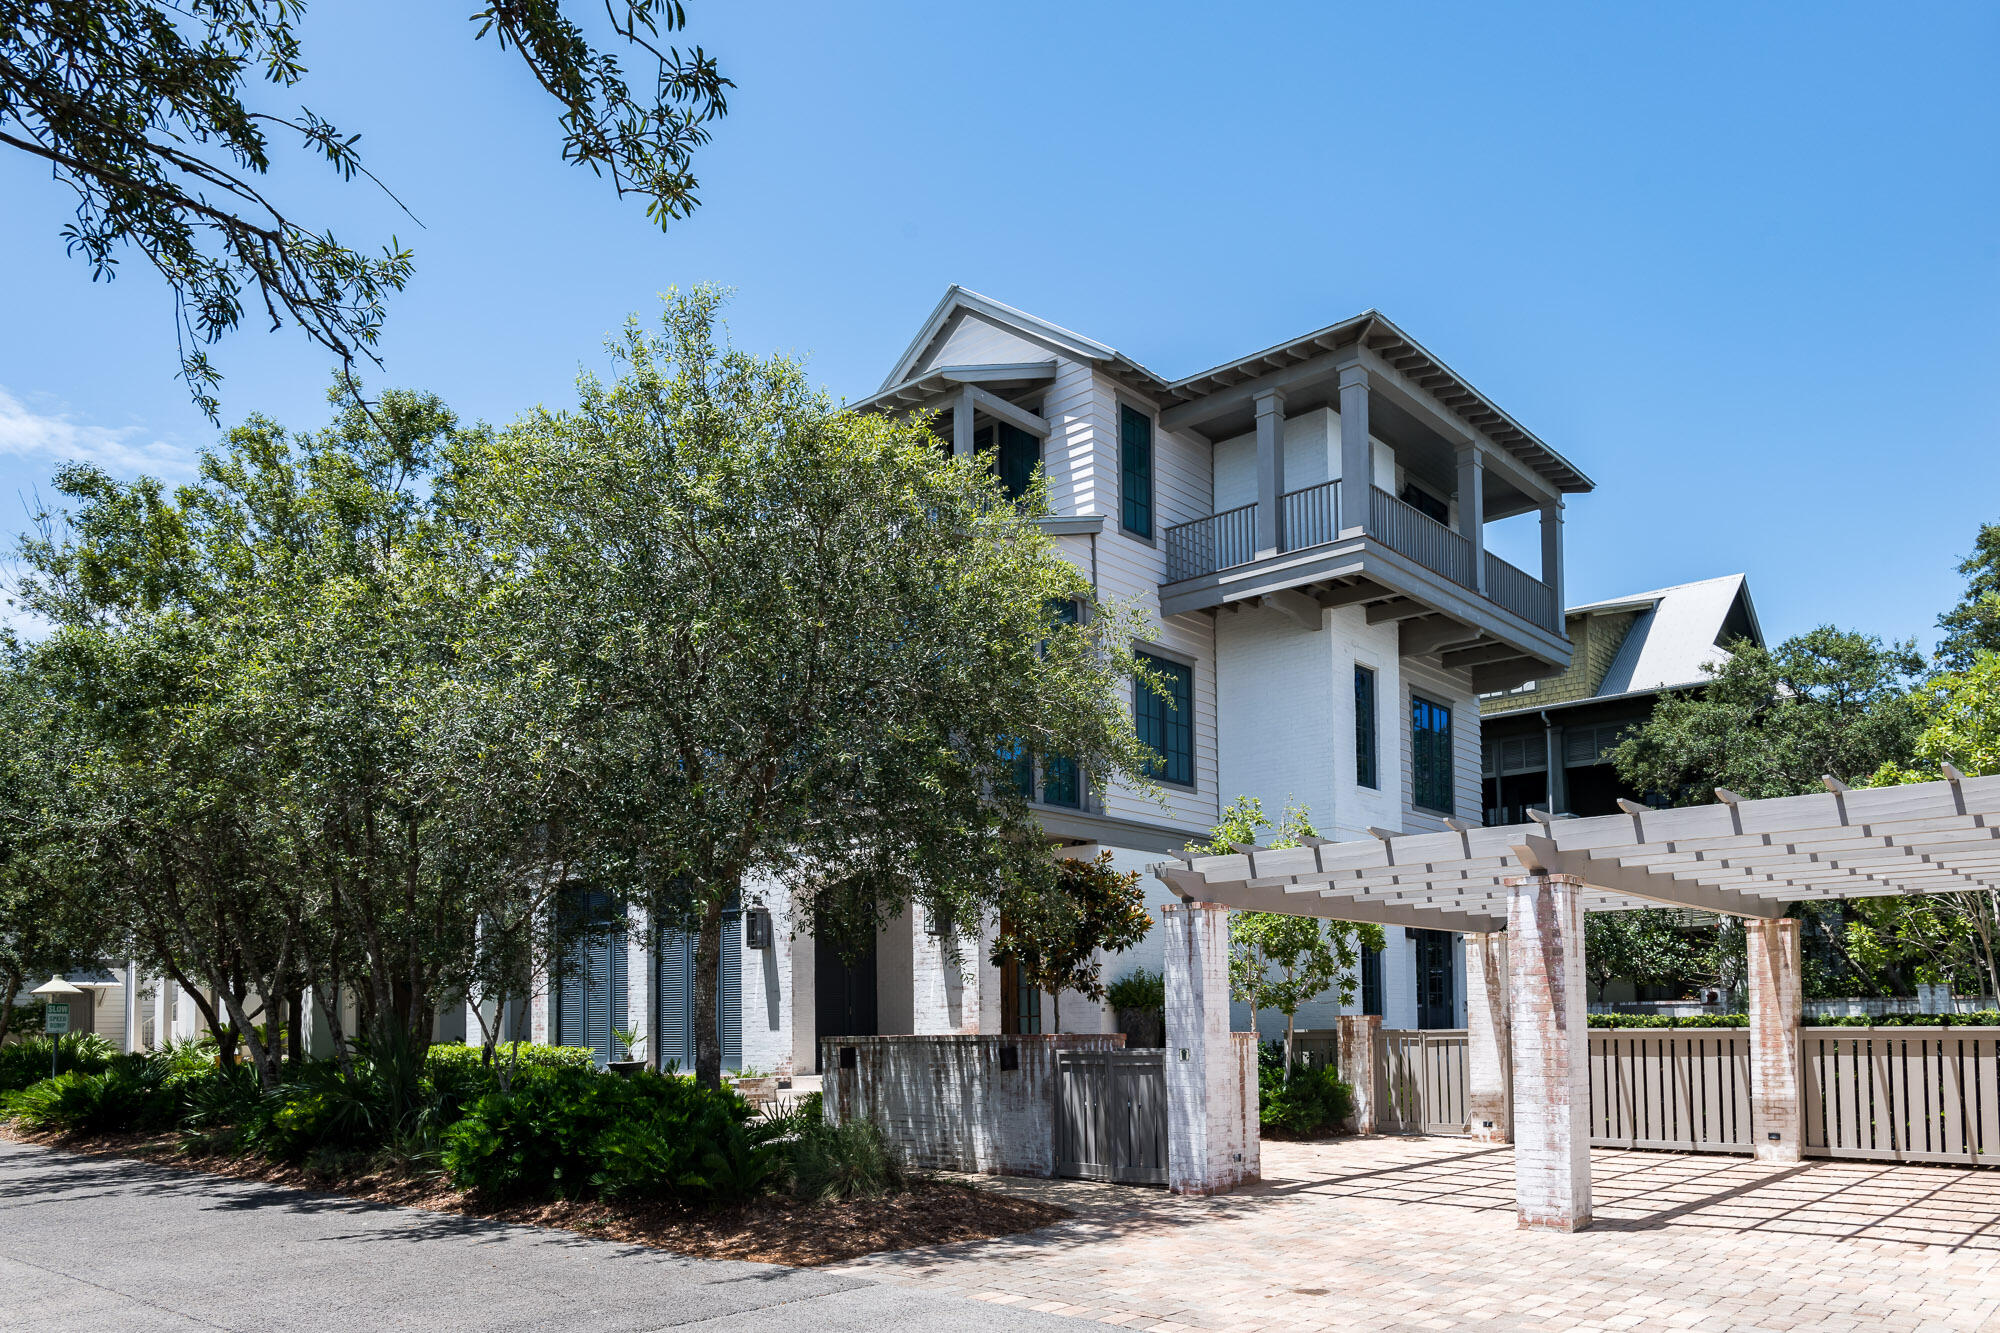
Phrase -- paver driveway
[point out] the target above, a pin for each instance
(97, 1245)
(1419, 1233)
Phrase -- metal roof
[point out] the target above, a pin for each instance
(1742, 857)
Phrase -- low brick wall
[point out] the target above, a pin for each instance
(984, 1104)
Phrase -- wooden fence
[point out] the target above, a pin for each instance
(1111, 1116)
(1902, 1094)
(1423, 1083)
(1687, 1090)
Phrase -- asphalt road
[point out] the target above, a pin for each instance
(106, 1246)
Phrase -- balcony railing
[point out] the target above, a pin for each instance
(1406, 529)
(1208, 544)
(1521, 592)
(1310, 516)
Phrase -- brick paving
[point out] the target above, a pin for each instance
(1383, 1233)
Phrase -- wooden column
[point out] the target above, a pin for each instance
(1777, 995)
(1357, 456)
(1270, 470)
(1472, 508)
(1551, 1052)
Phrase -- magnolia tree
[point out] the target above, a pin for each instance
(789, 649)
(1278, 961)
(1056, 939)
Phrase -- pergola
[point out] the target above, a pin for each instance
(1520, 891)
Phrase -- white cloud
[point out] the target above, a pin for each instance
(56, 438)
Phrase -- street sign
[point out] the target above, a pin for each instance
(56, 1021)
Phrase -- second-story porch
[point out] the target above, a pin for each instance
(1397, 469)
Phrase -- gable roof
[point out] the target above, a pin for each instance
(1679, 631)
(1067, 341)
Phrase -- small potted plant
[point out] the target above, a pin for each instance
(634, 1043)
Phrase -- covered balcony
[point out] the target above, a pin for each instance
(1396, 469)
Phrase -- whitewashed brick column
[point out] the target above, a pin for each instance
(1360, 1057)
(1211, 1085)
(1489, 1056)
(1777, 995)
(945, 978)
(1551, 1045)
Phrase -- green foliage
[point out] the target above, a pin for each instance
(23, 1063)
(846, 1161)
(1669, 1020)
(128, 1096)
(1055, 935)
(1138, 989)
(153, 113)
(571, 1132)
(1651, 947)
(1772, 722)
(1278, 961)
(1983, 1018)
(1304, 1100)
(1973, 626)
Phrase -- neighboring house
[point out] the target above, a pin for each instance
(1303, 529)
(1547, 742)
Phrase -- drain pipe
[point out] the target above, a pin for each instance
(1553, 774)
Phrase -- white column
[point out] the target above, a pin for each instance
(1489, 1058)
(642, 979)
(961, 425)
(1472, 507)
(131, 1043)
(1777, 994)
(1551, 1052)
(1357, 456)
(1212, 1143)
(1270, 469)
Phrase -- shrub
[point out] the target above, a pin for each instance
(24, 1063)
(1312, 1100)
(1138, 989)
(127, 1096)
(1669, 1020)
(845, 1161)
(569, 1132)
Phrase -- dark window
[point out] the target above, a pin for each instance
(1019, 455)
(1437, 998)
(1167, 725)
(1364, 727)
(1430, 755)
(1059, 784)
(1371, 981)
(1135, 438)
(1421, 500)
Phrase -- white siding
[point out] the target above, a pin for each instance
(974, 340)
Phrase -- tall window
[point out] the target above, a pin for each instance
(1167, 725)
(1135, 438)
(1371, 981)
(1016, 458)
(1430, 755)
(1364, 727)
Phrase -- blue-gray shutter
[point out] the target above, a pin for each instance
(729, 990)
(676, 1039)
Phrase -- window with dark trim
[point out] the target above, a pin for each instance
(1166, 725)
(1371, 981)
(1364, 726)
(1135, 486)
(1430, 755)
(1421, 500)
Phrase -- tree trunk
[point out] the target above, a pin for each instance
(295, 1022)
(1288, 1046)
(707, 964)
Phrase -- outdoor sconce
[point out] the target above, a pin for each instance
(757, 929)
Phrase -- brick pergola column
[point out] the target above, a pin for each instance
(1360, 1038)
(1776, 997)
(1489, 1057)
(1551, 1048)
(1211, 1082)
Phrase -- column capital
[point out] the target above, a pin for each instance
(1469, 451)
(1268, 401)
(1353, 377)
(1191, 905)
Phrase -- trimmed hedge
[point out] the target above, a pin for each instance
(1983, 1018)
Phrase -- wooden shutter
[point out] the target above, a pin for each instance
(729, 990)
(676, 1027)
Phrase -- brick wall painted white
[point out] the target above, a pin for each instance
(767, 979)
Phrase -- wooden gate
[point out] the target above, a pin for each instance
(1111, 1115)
(1422, 1082)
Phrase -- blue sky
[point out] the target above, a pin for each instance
(1738, 263)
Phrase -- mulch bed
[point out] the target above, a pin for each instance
(772, 1229)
